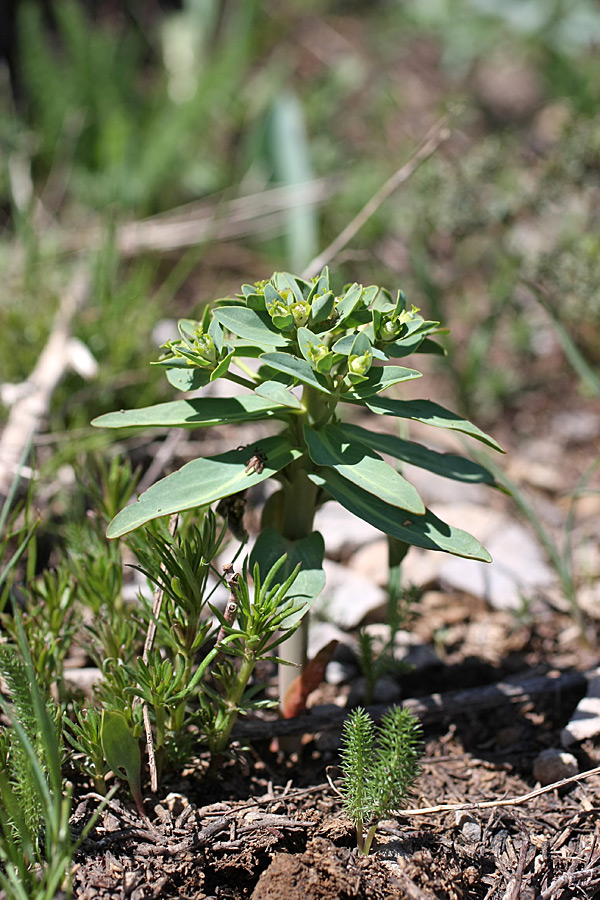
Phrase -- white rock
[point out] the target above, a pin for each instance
(322, 633)
(340, 672)
(347, 597)
(343, 532)
(419, 567)
(518, 570)
(553, 765)
(585, 721)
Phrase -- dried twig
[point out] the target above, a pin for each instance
(150, 635)
(31, 408)
(199, 222)
(437, 135)
(507, 801)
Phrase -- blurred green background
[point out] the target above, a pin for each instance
(179, 150)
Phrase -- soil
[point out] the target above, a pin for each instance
(270, 825)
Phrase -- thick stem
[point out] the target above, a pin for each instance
(297, 517)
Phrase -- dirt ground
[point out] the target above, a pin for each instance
(270, 825)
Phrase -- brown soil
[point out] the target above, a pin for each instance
(271, 825)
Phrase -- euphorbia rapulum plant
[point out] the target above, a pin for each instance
(338, 350)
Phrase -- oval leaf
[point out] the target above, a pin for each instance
(449, 465)
(430, 414)
(192, 413)
(329, 446)
(297, 368)
(250, 324)
(379, 379)
(204, 480)
(425, 531)
(274, 390)
(309, 552)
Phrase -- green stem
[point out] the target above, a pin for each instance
(233, 702)
(368, 840)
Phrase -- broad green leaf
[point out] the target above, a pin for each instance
(122, 752)
(322, 307)
(309, 552)
(192, 413)
(344, 346)
(202, 481)
(429, 413)
(447, 464)
(379, 379)
(425, 531)
(250, 324)
(297, 368)
(274, 390)
(190, 378)
(329, 446)
(348, 302)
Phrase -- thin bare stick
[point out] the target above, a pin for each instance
(199, 222)
(157, 600)
(492, 804)
(150, 635)
(437, 135)
(28, 412)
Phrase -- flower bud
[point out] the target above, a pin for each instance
(205, 347)
(360, 365)
(300, 312)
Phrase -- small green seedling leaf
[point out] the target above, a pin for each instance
(122, 753)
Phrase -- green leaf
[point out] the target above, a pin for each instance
(322, 307)
(329, 446)
(274, 390)
(223, 367)
(349, 301)
(204, 480)
(430, 414)
(122, 752)
(192, 413)
(270, 546)
(379, 379)
(344, 346)
(250, 324)
(425, 531)
(449, 465)
(188, 378)
(297, 368)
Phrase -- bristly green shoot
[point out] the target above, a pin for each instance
(379, 766)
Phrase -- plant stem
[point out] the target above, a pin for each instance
(366, 847)
(233, 702)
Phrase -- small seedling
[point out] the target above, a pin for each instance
(379, 768)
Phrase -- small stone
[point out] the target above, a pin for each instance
(343, 532)
(468, 825)
(585, 721)
(347, 598)
(84, 678)
(339, 672)
(518, 569)
(553, 765)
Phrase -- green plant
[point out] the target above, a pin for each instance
(378, 658)
(36, 847)
(379, 767)
(339, 349)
